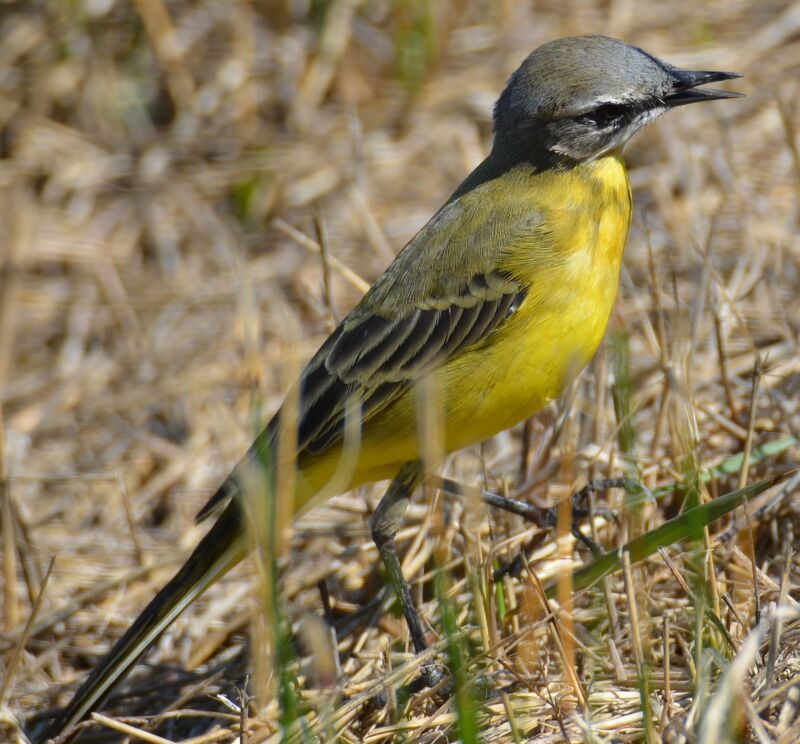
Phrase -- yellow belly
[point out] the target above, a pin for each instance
(572, 271)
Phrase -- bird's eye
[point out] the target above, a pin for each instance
(604, 115)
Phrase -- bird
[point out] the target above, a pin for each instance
(490, 310)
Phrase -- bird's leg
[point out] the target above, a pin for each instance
(580, 510)
(546, 517)
(384, 525)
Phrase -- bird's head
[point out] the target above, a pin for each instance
(575, 99)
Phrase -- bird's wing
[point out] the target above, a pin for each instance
(446, 291)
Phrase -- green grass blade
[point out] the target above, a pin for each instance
(458, 655)
(728, 467)
(668, 533)
(622, 396)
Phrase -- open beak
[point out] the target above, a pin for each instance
(686, 90)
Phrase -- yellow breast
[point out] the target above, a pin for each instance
(571, 266)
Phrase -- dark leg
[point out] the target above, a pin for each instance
(546, 518)
(384, 525)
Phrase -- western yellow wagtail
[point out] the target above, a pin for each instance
(498, 301)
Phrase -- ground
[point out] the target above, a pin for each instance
(168, 172)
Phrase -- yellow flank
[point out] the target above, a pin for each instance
(570, 262)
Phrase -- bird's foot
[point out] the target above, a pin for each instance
(547, 517)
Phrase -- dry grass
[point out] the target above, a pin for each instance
(156, 164)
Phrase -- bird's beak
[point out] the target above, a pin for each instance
(686, 90)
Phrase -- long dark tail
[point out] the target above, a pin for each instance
(219, 551)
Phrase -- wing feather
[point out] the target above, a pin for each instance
(438, 298)
(396, 354)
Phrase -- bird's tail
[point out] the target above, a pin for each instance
(221, 549)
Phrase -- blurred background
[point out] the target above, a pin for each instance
(168, 171)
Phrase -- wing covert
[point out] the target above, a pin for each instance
(377, 358)
(447, 290)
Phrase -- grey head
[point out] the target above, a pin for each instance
(578, 98)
